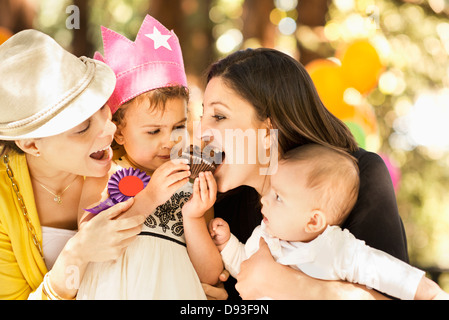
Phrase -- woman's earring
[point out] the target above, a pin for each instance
(37, 155)
(119, 140)
(267, 140)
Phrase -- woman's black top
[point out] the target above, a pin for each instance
(374, 219)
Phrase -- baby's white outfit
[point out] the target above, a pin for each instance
(334, 255)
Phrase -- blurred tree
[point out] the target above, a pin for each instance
(81, 43)
(17, 15)
(256, 22)
(311, 13)
(189, 19)
(170, 14)
(434, 8)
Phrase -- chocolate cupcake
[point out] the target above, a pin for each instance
(198, 161)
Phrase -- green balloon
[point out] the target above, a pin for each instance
(358, 133)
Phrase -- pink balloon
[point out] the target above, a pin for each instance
(394, 170)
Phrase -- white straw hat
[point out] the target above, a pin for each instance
(45, 90)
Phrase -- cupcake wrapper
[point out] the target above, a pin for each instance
(198, 164)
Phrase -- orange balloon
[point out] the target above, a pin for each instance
(360, 66)
(328, 80)
(343, 110)
(5, 34)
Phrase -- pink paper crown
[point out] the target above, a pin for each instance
(153, 60)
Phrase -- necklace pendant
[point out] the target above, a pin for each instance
(57, 199)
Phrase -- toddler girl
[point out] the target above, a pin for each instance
(149, 103)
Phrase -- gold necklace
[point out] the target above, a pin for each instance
(21, 202)
(57, 197)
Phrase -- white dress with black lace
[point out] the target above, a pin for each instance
(155, 266)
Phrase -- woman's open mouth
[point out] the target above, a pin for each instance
(217, 157)
(104, 154)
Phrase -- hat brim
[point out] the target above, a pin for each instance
(79, 109)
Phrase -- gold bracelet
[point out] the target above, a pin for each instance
(48, 290)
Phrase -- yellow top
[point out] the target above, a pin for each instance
(22, 268)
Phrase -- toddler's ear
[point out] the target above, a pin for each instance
(317, 222)
(118, 136)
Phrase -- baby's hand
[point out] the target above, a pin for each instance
(220, 232)
(203, 197)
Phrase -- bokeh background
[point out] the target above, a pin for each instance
(381, 66)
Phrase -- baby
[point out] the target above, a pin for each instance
(311, 194)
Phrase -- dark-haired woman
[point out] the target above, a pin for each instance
(263, 89)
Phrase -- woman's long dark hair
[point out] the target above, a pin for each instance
(280, 89)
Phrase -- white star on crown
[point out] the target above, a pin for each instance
(159, 39)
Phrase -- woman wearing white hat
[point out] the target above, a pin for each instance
(55, 129)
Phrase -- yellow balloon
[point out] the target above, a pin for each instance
(361, 66)
(328, 80)
(5, 34)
